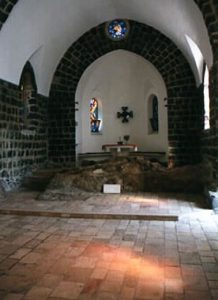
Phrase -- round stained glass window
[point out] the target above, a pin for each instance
(117, 29)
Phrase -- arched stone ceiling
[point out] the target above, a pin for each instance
(42, 30)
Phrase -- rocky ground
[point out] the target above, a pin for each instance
(133, 174)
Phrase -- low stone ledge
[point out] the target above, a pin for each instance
(83, 215)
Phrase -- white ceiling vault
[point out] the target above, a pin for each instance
(42, 30)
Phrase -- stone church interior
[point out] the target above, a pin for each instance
(108, 149)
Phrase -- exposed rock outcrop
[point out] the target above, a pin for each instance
(133, 174)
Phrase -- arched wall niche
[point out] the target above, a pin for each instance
(28, 92)
(27, 78)
(121, 78)
(184, 105)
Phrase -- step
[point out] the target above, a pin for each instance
(83, 215)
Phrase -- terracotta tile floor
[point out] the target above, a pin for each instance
(65, 258)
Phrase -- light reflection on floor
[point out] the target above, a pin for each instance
(110, 259)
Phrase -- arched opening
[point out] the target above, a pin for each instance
(115, 80)
(28, 91)
(183, 121)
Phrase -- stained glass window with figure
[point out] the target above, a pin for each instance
(95, 122)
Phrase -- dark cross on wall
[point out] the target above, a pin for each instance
(125, 114)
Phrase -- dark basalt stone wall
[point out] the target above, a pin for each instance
(6, 7)
(209, 9)
(23, 145)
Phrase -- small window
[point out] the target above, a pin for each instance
(153, 114)
(117, 29)
(95, 121)
(206, 100)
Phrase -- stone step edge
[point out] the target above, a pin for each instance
(84, 215)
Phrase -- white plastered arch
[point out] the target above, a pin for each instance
(53, 25)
